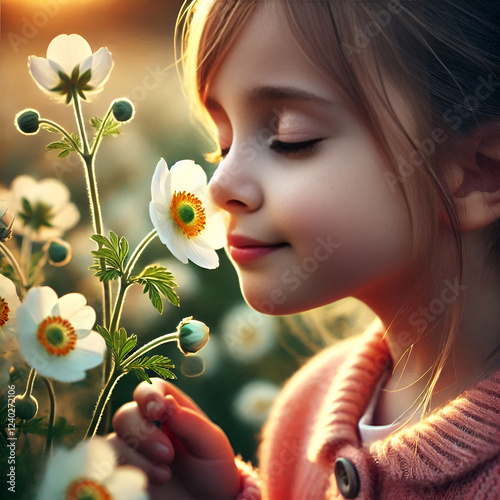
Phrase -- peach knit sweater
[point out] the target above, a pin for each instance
(453, 454)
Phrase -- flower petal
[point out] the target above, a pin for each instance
(203, 257)
(43, 73)
(187, 176)
(69, 51)
(100, 460)
(39, 302)
(100, 66)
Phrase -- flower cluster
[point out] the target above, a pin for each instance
(61, 338)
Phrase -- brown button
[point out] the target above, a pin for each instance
(347, 478)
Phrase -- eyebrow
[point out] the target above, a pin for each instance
(276, 93)
(285, 93)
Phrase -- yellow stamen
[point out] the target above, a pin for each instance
(188, 213)
(85, 489)
(57, 335)
(4, 311)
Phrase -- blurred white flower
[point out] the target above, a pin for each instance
(187, 220)
(254, 400)
(42, 209)
(248, 335)
(9, 302)
(55, 334)
(89, 471)
(70, 65)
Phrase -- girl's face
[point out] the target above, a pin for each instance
(313, 216)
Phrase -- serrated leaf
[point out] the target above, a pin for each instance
(141, 374)
(159, 364)
(157, 281)
(112, 127)
(114, 252)
(65, 146)
(105, 335)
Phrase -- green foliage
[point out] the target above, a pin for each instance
(159, 364)
(113, 252)
(111, 127)
(119, 342)
(157, 281)
(65, 146)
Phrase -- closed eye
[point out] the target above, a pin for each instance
(293, 148)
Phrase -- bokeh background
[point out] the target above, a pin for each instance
(237, 375)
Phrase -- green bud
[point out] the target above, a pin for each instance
(6, 221)
(59, 252)
(28, 121)
(26, 406)
(193, 335)
(123, 110)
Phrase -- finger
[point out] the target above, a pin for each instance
(158, 474)
(150, 398)
(199, 436)
(142, 435)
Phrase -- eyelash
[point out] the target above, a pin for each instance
(284, 148)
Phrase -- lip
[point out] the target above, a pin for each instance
(245, 250)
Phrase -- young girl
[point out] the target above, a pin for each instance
(360, 156)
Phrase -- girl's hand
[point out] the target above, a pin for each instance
(189, 458)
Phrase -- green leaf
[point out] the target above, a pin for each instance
(104, 333)
(158, 364)
(114, 251)
(112, 127)
(65, 146)
(157, 281)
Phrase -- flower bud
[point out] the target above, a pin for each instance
(123, 110)
(6, 221)
(59, 252)
(28, 121)
(26, 406)
(193, 335)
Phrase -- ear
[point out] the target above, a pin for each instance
(471, 173)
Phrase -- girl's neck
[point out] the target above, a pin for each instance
(416, 340)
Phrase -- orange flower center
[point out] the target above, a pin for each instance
(85, 489)
(57, 335)
(4, 311)
(188, 213)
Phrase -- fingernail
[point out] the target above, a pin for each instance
(154, 410)
(161, 451)
(171, 406)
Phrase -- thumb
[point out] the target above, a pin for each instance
(197, 435)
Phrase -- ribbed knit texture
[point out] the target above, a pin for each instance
(452, 455)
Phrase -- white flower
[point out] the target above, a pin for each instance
(187, 220)
(42, 209)
(70, 65)
(248, 335)
(55, 334)
(89, 471)
(254, 401)
(9, 302)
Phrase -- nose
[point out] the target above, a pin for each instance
(235, 185)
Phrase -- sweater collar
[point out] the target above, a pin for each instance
(449, 443)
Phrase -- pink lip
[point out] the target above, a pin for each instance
(245, 250)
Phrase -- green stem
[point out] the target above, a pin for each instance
(30, 383)
(15, 264)
(138, 251)
(102, 401)
(63, 132)
(169, 337)
(79, 122)
(117, 311)
(98, 136)
(52, 415)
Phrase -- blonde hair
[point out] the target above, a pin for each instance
(433, 53)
